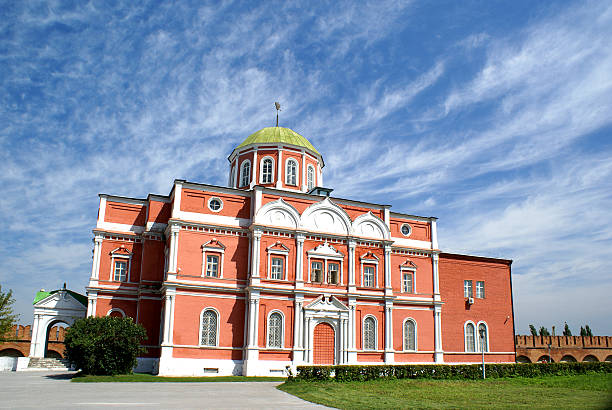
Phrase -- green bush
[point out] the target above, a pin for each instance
(441, 371)
(104, 345)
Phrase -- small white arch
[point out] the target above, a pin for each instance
(470, 346)
(483, 323)
(326, 216)
(217, 318)
(116, 310)
(363, 332)
(282, 329)
(278, 213)
(407, 347)
(371, 226)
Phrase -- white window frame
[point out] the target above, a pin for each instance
(465, 340)
(123, 258)
(327, 272)
(369, 258)
(310, 179)
(480, 292)
(416, 338)
(311, 271)
(409, 229)
(282, 332)
(295, 174)
(245, 163)
(465, 288)
(216, 312)
(278, 249)
(115, 310)
(363, 344)
(482, 322)
(232, 176)
(207, 249)
(325, 253)
(212, 199)
(261, 170)
(408, 267)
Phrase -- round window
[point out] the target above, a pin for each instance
(406, 230)
(215, 204)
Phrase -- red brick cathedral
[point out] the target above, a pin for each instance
(271, 271)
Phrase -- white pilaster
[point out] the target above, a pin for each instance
(352, 335)
(254, 169)
(435, 258)
(439, 352)
(95, 266)
(173, 258)
(250, 366)
(304, 186)
(298, 354)
(255, 256)
(92, 297)
(389, 355)
(388, 287)
(236, 172)
(176, 204)
(279, 168)
(34, 342)
(351, 265)
(434, 234)
(299, 260)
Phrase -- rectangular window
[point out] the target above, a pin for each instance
(316, 272)
(407, 283)
(277, 269)
(467, 289)
(212, 266)
(480, 292)
(368, 276)
(120, 271)
(333, 273)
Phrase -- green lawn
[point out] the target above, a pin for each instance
(143, 377)
(580, 391)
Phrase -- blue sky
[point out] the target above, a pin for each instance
(493, 116)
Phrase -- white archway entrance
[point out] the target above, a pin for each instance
(50, 308)
(334, 316)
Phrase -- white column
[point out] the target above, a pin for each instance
(389, 356)
(320, 172)
(351, 264)
(92, 297)
(298, 355)
(255, 256)
(299, 260)
(168, 308)
(304, 186)
(250, 366)
(352, 355)
(439, 352)
(95, 267)
(236, 172)
(307, 339)
(435, 258)
(254, 169)
(388, 287)
(434, 234)
(279, 167)
(34, 341)
(173, 257)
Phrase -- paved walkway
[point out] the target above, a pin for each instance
(53, 390)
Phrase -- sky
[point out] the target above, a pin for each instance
(495, 117)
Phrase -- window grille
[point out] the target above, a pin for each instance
(275, 330)
(291, 172)
(470, 341)
(409, 335)
(212, 266)
(266, 172)
(120, 271)
(277, 268)
(368, 276)
(209, 328)
(369, 334)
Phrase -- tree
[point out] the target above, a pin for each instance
(533, 330)
(104, 345)
(566, 330)
(7, 317)
(588, 331)
(583, 331)
(544, 331)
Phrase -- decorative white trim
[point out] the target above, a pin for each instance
(465, 343)
(206, 249)
(115, 310)
(278, 213)
(416, 338)
(212, 199)
(370, 226)
(326, 252)
(217, 331)
(363, 346)
(115, 255)
(326, 216)
(482, 322)
(409, 229)
(366, 259)
(261, 170)
(282, 315)
(284, 253)
(296, 174)
(411, 267)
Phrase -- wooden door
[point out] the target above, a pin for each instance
(324, 346)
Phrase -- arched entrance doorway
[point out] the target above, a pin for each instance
(54, 345)
(324, 344)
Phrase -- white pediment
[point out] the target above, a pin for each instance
(60, 301)
(326, 216)
(371, 226)
(327, 303)
(278, 213)
(325, 250)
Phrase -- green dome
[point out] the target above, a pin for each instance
(274, 135)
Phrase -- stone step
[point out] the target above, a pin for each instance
(48, 363)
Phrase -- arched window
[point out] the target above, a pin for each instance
(470, 340)
(245, 173)
(232, 177)
(483, 337)
(275, 330)
(291, 172)
(310, 177)
(369, 333)
(208, 330)
(267, 169)
(410, 334)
